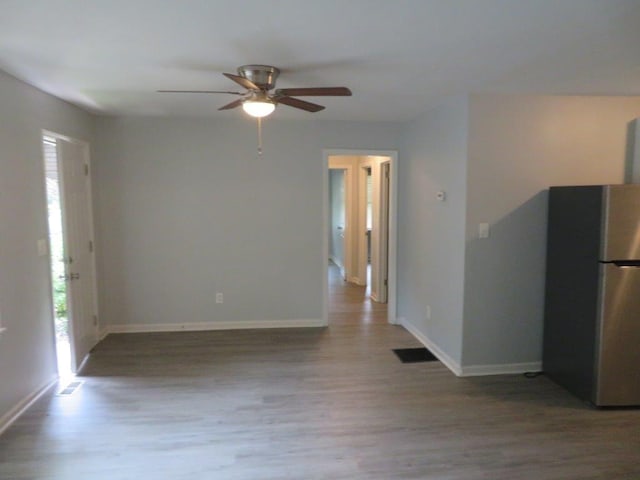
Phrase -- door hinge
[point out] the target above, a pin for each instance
(90, 246)
(86, 169)
(95, 320)
(386, 282)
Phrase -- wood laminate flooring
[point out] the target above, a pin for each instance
(327, 403)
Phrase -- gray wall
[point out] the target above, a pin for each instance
(518, 147)
(337, 211)
(186, 208)
(433, 157)
(27, 352)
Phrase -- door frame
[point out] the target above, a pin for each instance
(383, 240)
(362, 263)
(94, 282)
(393, 230)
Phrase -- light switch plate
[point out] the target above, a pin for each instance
(483, 230)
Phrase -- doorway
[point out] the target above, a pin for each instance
(71, 250)
(371, 222)
(337, 219)
(373, 229)
(56, 257)
(383, 231)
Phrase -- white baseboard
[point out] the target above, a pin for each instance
(335, 260)
(449, 362)
(357, 281)
(198, 326)
(471, 370)
(103, 333)
(83, 363)
(12, 415)
(501, 369)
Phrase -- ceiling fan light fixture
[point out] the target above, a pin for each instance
(259, 108)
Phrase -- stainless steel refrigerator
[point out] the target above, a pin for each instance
(592, 293)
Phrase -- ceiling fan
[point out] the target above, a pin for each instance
(259, 100)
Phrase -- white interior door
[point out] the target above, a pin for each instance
(79, 256)
(383, 256)
(380, 188)
(338, 219)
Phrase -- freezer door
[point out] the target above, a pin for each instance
(618, 347)
(621, 222)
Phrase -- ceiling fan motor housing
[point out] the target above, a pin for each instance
(264, 76)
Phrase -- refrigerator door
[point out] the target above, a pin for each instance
(621, 239)
(618, 356)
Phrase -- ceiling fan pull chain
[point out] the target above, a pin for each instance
(259, 136)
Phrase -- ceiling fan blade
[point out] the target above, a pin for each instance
(301, 104)
(234, 104)
(198, 91)
(315, 92)
(248, 84)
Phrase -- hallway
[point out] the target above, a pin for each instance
(348, 298)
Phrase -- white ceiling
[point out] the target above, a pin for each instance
(398, 56)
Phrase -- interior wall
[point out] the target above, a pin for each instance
(431, 235)
(518, 147)
(186, 208)
(27, 351)
(337, 220)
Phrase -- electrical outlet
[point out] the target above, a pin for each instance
(428, 312)
(219, 297)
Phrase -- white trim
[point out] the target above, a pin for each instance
(393, 230)
(83, 363)
(325, 239)
(501, 369)
(12, 415)
(362, 262)
(471, 370)
(104, 331)
(382, 190)
(449, 362)
(198, 326)
(59, 136)
(336, 260)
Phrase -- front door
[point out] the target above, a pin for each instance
(78, 247)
